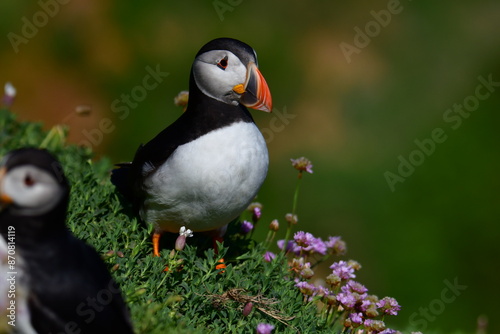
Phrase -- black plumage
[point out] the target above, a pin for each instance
(68, 287)
(204, 169)
(203, 114)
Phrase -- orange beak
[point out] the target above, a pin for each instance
(255, 92)
(4, 199)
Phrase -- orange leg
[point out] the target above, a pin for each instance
(156, 243)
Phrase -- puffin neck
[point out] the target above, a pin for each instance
(31, 228)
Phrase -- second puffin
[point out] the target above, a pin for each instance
(204, 169)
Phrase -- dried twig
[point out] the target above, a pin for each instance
(260, 302)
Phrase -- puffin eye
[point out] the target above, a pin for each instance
(29, 181)
(222, 64)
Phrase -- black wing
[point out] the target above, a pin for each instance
(74, 288)
(202, 116)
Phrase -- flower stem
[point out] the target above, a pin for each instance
(296, 195)
(294, 210)
(269, 239)
(171, 267)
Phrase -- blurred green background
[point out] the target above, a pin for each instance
(352, 114)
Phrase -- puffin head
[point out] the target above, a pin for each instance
(32, 183)
(225, 69)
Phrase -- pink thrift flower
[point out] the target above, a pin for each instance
(246, 227)
(302, 165)
(263, 328)
(269, 256)
(343, 270)
(356, 318)
(389, 305)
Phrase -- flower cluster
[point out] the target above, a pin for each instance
(344, 303)
(344, 300)
(305, 244)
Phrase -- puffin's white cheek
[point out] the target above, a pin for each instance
(209, 80)
(36, 199)
(218, 83)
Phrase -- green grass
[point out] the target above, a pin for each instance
(192, 296)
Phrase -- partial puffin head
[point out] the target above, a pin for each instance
(225, 69)
(31, 183)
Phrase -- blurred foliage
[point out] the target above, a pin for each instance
(352, 119)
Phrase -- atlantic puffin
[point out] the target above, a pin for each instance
(205, 168)
(59, 279)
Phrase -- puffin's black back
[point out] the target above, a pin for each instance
(203, 114)
(68, 286)
(83, 293)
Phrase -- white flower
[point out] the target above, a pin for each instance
(180, 243)
(185, 232)
(9, 90)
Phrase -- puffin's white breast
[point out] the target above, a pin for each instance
(207, 182)
(13, 288)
